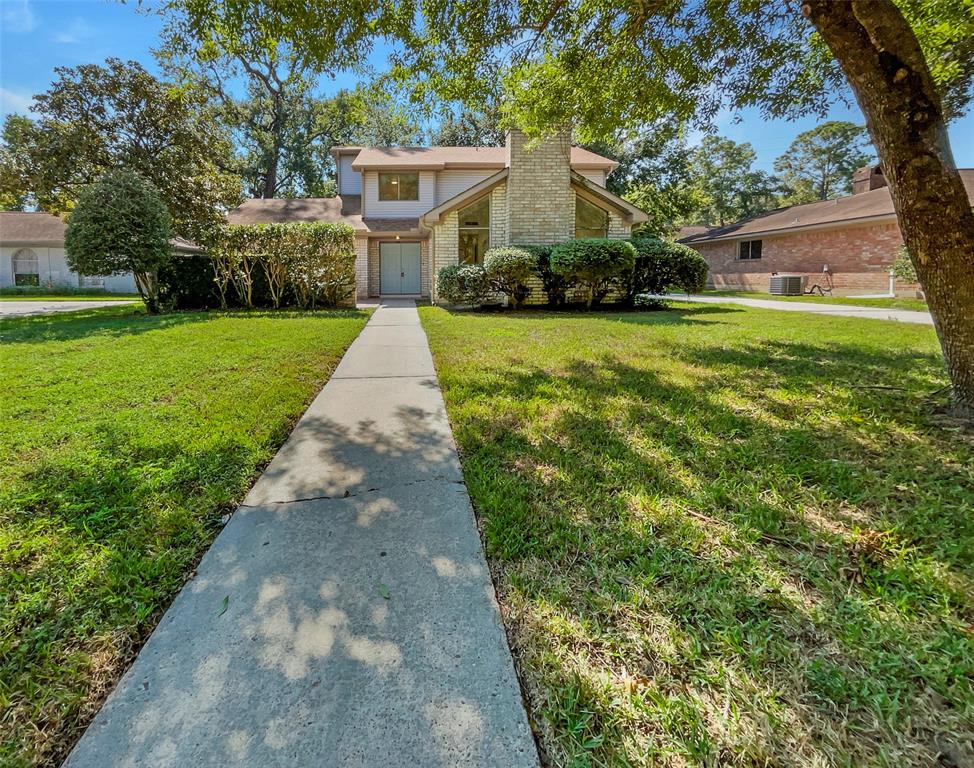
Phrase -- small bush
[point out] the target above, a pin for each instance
(661, 266)
(903, 268)
(594, 263)
(508, 269)
(462, 284)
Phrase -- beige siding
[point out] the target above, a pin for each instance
(452, 183)
(351, 180)
(372, 206)
(598, 177)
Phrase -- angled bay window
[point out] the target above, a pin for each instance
(590, 220)
(399, 186)
(474, 223)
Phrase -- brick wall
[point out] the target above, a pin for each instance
(541, 204)
(858, 257)
(446, 244)
(362, 267)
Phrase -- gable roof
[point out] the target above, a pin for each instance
(433, 215)
(440, 158)
(875, 205)
(630, 211)
(45, 229)
(20, 228)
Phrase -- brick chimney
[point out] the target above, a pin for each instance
(867, 178)
(540, 201)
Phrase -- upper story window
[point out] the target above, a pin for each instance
(749, 249)
(25, 268)
(399, 186)
(474, 224)
(590, 220)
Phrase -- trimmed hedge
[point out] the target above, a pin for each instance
(555, 286)
(508, 270)
(463, 284)
(661, 266)
(594, 263)
(307, 263)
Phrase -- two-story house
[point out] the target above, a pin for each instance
(418, 209)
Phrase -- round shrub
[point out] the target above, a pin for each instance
(119, 225)
(462, 284)
(508, 269)
(594, 263)
(661, 266)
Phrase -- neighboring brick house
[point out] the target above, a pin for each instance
(854, 238)
(418, 209)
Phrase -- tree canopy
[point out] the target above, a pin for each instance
(95, 119)
(819, 163)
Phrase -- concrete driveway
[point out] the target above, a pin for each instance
(838, 310)
(47, 307)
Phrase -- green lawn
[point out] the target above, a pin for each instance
(917, 305)
(124, 438)
(722, 536)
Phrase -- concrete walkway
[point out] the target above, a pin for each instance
(841, 310)
(345, 615)
(46, 306)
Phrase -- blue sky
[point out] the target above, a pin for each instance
(38, 35)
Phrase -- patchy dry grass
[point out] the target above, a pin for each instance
(722, 536)
(124, 438)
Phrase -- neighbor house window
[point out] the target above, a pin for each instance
(749, 249)
(25, 268)
(474, 222)
(399, 186)
(590, 220)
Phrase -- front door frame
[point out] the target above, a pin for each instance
(401, 241)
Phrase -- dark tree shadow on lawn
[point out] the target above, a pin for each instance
(118, 321)
(809, 572)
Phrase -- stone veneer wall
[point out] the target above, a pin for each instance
(540, 201)
(361, 267)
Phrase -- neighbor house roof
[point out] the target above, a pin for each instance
(440, 158)
(347, 209)
(46, 229)
(19, 228)
(875, 205)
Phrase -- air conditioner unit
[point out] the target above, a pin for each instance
(786, 285)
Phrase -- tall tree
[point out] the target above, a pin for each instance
(730, 187)
(282, 128)
(818, 165)
(605, 65)
(655, 173)
(95, 119)
(468, 128)
(15, 139)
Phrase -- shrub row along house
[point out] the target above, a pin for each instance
(417, 210)
(847, 244)
(32, 255)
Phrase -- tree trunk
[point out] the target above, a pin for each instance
(880, 56)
